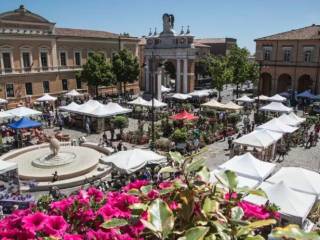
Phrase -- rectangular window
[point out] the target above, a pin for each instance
(307, 56)
(63, 59)
(46, 86)
(7, 62)
(9, 90)
(77, 58)
(78, 83)
(26, 61)
(44, 60)
(29, 88)
(65, 84)
(287, 55)
(267, 54)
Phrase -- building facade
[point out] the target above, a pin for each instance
(289, 61)
(218, 46)
(36, 57)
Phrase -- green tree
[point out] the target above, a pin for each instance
(96, 72)
(201, 67)
(219, 71)
(125, 67)
(120, 122)
(242, 68)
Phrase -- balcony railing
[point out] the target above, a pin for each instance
(30, 70)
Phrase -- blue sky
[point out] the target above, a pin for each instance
(241, 19)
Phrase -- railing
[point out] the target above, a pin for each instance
(30, 70)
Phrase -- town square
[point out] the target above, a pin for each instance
(170, 123)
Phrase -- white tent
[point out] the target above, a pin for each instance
(165, 89)
(293, 205)
(156, 103)
(181, 96)
(213, 104)
(276, 107)
(259, 138)
(3, 101)
(6, 166)
(242, 181)
(299, 179)
(262, 98)
(248, 166)
(245, 98)
(46, 98)
(5, 115)
(277, 98)
(201, 93)
(73, 93)
(139, 101)
(295, 117)
(23, 112)
(284, 118)
(132, 160)
(232, 106)
(277, 126)
(112, 109)
(72, 107)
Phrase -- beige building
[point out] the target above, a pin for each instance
(289, 61)
(36, 57)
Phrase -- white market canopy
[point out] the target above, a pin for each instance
(139, 101)
(156, 103)
(201, 93)
(132, 160)
(259, 138)
(73, 93)
(181, 96)
(6, 166)
(23, 112)
(165, 89)
(5, 115)
(295, 117)
(262, 98)
(248, 166)
(232, 106)
(245, 98)
(286, 119)
(3, 101)
(299, 179)
(276, 125)
(242, 181)
(291, 203)
(277, 98)
(276, 107)
(70, 107)
(46, 98)
(213, 104)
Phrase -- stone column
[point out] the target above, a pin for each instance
(147, 75)
(185, 75)
(158, 84)
(178, 83)
(54, 54)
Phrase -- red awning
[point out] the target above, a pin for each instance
(184, 115)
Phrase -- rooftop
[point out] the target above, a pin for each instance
(305, 33)
(215, 40)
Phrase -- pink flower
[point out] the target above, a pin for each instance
(165, 184)
(254, 211)
(174, 205)
(136, 185)
(153, 194)
(55, 226)
(96, 194)
(62, 205)
(229, 196)
(72, 237)
(34, 222)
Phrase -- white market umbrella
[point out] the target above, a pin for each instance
(232, 106)
(132, 160)
(181, 96)
(262, 98)
(276, 107)
(6, 166)
(201, 93)
(245, 98)
(156, 103)
(46, 98)
(73, 93)
(277, 98)
(290, 202)
(23, 112)
(297, 118)
(165, 89)
(249, 166)
(299, 179)
(286, 119)
(277, 126)
(72, 107)
(213, 104)
(259, 138)
(139, 101)
(3, 101)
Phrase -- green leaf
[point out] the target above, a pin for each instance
(195, 165)
(257, 237)
(168, 170)
(203, 174)
(166, 191)
(146, 189)
(195, 233)
(176, 157)
(134, 192)
(261, 223)
(228, 179)
(237, 213)
(139, 206)
(258, 192)
(210, 206)
(211, 237)
(114, 223)
(160, 217)
(293, 232)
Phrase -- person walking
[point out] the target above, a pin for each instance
(310, 141)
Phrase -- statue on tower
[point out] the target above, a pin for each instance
(168, 23)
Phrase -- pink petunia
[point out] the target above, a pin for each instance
(55, 226)
(153, 194)
(96, 194)
(62, 205)
(165, 184)
(174, 205)
(254, 211)
(136, 185)
(72, 237)
(229, 196)
(34, 222)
